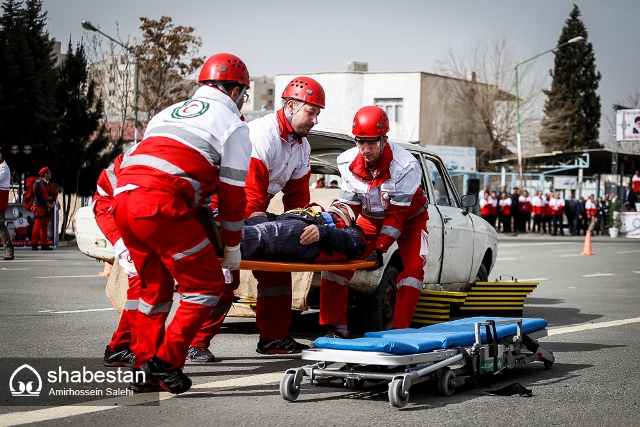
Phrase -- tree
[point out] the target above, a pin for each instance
(480, 104)
(166, 56)
(28, 80)
(81, 141)
(572, 109)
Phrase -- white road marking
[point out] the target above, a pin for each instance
(32, 260)
(19, 418)
(13, 269)
(636, 271)
(45, 311)
(588, 326)
(561, 250)
(598, 275)
(519, 245)
(506, 259)
(68, 277)
(572, 287)
(568, 255)
(78, 311)
(628, 252)
(537, 279)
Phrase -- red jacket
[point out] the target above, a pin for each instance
(103, 198)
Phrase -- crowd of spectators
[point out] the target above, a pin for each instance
(551, 213)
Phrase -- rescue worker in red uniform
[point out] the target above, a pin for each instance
(279, 162)
(44, 202)
(190, 151)
(118, 351)
(381, 183)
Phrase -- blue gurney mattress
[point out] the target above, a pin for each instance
(429, 338)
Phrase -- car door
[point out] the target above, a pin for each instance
(457, 227)
(436, 232)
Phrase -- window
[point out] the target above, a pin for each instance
(441, 191)
(392, 106)
(270, 91)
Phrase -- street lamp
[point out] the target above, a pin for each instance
(89, 27)
(520, 173)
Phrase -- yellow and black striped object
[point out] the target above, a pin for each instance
(495, 298)
(435, 306)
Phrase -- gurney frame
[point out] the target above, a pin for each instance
(401, 371)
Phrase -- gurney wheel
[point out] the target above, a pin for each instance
(355, 383)
(444, 383)
(396, 397)
(548, 364)
(288, 388)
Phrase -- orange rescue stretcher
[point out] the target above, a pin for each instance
(295, 267)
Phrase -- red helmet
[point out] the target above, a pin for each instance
(223, 67)
(370, 122)
(305, 89)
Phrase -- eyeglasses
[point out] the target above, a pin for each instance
(369, 144)
(245, 97)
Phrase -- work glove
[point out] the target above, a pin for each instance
(232, 257)
(377, 257)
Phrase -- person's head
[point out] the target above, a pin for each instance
(504, 196)
(333, 184)
(515, 190)
(628, 186)
(581, 199)
(637, 121)
(637, 171)
(599, 199)
(321, 182)
(503, 188)
(494, 194)
(304, 98)
(570, 196)
(591, 197)
(45, 173)
(370, 128)
(343, 211)
(526, 193)
(229, 74)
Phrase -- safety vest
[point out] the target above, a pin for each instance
(505, 206)
(391, 197)
(192, 150)
(557, 205)
(279, 162)
(590, 208)
(485, 207)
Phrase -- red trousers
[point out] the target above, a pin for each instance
(40, 232)
(333, 290)
(273, 308)
(165, 242)
(123, 336)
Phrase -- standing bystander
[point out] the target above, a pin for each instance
(5, 179)
(44, 202)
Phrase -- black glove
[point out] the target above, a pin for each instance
(377, 257)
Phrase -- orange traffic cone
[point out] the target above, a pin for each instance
(587, 245)
(107, 269)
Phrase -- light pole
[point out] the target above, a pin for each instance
(520, 173)
(89, 27)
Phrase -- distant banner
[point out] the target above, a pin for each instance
(19, 221)
(628, 125)
(630, 224)
(456, 159)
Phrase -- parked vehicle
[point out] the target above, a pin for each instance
(462, 246)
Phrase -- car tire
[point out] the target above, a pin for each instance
(482, 275)
(374, 312)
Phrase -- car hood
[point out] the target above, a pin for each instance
(325, 149)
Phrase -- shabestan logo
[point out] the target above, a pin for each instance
(22, 388)
(191, 108)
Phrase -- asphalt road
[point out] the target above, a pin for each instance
(591, 304)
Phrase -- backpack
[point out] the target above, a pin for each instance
(30, 194)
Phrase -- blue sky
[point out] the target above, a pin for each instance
(277, 37)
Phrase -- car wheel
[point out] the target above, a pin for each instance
(482, 275)
(374, 312)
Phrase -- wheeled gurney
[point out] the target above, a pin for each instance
(409, 356)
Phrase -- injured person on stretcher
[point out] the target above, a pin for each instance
(307, 235)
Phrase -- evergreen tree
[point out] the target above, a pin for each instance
(28, 81)
(573, 108)
(81, 141)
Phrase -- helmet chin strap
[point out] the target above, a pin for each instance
(239, 97)
(300, 105)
